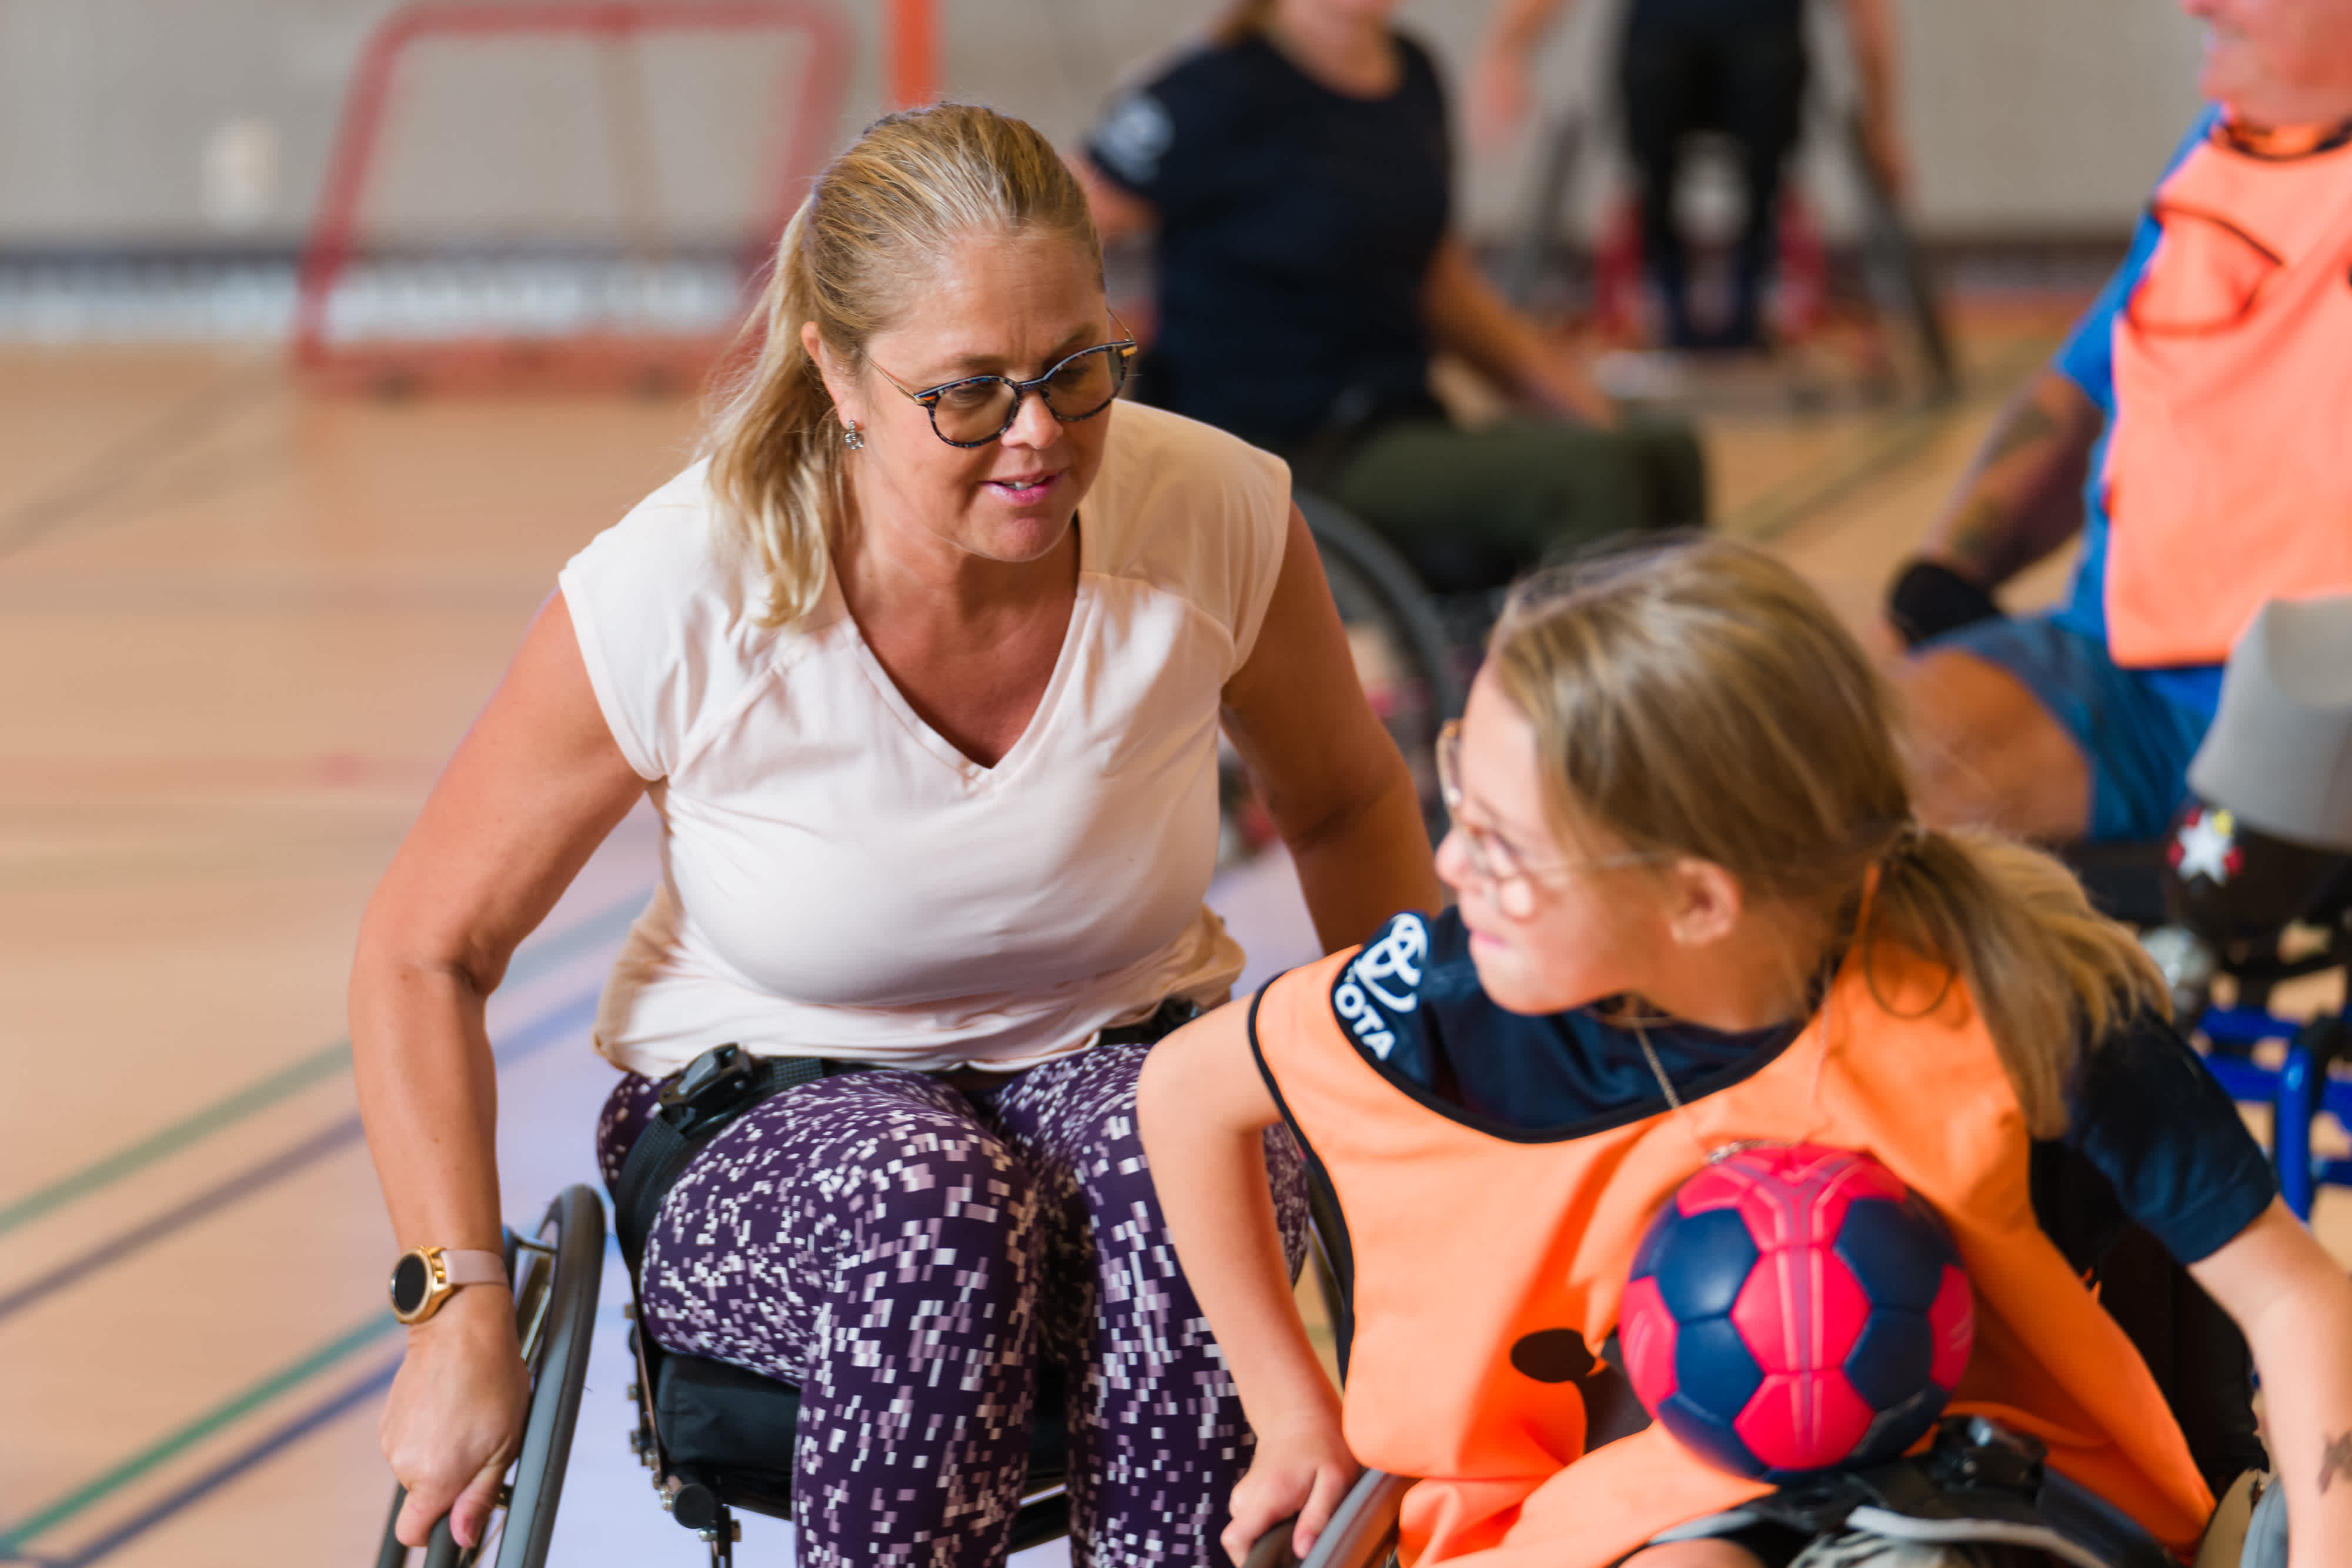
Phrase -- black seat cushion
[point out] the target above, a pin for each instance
(710, 1413)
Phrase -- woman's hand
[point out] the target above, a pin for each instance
(454, 1422)
(1303, 1467)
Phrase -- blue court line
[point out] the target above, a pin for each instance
(536, 959)
(558, 1023)
(375, 1326)
(267, 1447)
(520, 1043)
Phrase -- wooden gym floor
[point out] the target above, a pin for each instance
(240, 629)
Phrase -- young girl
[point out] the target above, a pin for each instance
(1695, 909)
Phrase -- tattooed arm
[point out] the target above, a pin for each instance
(2022, 496)
(2296, 1307)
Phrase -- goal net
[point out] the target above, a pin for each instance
(562, 196)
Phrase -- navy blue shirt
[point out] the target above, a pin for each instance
(2146, 1114)
(1295, 227)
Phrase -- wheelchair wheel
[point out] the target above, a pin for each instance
(556, 1273)
(1402, 654)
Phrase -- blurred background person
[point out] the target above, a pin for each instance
(1736, 67)
(2190, 430)
(1294, 173)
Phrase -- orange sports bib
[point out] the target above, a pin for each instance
(1466, 1243)
(2229, 469)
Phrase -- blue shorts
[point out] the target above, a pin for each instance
(2138, 739)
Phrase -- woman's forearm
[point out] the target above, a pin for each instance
(1467, 317)
(428, 1094)
(1367, 865)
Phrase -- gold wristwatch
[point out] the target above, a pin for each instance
(424, 1277)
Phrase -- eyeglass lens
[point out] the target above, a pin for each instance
(982, 409)
(1489, 855)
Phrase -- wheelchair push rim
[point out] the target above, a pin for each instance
(557, 1274)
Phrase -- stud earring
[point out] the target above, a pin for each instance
(853, 437)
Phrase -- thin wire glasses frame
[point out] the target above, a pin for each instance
(1497, 860)
(1117, 356)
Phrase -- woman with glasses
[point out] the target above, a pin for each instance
(1295, 175)
(921, 666)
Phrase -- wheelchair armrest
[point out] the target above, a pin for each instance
(1359, 1535)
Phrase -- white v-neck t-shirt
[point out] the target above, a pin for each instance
(840, 881)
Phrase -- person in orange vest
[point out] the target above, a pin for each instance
(2191, 430)
(1696, 911)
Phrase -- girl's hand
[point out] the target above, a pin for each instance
(1304, 1469)
(454, 1422)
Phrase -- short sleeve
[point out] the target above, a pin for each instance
(1170, 140)
(1195, 512)
(2168, 1139)
(1130, 141)
(662, 622)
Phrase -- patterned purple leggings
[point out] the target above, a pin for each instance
(906, 1254)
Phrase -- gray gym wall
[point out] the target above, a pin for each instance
(2027, 118)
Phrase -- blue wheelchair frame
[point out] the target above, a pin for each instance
(2298, 1090)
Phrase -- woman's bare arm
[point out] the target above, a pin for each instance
(1202, 1112)
(2295, 1305)
(1466, 316)
(1500, 90)
(1332, 779)
(1118, 212)
(535, 787)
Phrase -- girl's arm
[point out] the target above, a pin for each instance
(1465, 314)
(2295, 1306)
(1202, 1112)
(1332, 778)
(536, 786)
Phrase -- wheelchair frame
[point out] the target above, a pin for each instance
(2125, 883)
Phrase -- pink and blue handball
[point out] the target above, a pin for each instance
(1795, 1310)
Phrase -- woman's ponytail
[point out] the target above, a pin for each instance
(775, 446)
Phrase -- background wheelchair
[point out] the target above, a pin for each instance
(2252, 889)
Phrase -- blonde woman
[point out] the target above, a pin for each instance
(922, 666)
(1696, 912)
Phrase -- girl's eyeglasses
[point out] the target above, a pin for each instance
(1498, 861)
(978, 410)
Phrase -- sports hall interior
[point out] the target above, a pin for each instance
(249, 605)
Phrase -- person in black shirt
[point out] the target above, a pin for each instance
(1734, 65)
(1295, 172)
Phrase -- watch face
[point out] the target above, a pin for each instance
(410, 1281)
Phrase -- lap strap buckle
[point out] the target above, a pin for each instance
(695, 1107)
(711, 1085)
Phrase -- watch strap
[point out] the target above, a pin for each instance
(467, 1267)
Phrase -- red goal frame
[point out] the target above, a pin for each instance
(809, 103)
